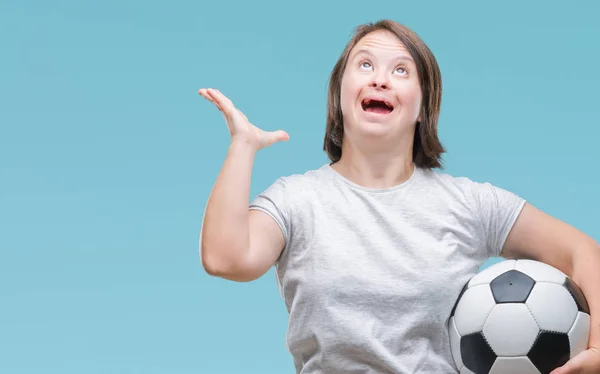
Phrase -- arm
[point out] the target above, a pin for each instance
(538, 236)
(236, 243)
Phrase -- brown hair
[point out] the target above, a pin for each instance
(427, 148)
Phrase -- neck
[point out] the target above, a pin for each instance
(376, 168)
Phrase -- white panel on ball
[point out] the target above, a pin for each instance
(486, 276)
(579, 334)
(510, 365)
(455, 343)
(540, 272)
(473, 309)
(552, 307)
(510, 330)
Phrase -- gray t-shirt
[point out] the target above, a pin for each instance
(370, 276)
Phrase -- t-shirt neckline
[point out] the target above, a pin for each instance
(336, 175)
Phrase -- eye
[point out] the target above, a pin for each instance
(365, 65)
(401, 70)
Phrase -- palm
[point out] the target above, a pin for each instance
(238, 124)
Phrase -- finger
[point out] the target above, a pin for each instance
(205, 92)
(223, 101)
(222, 96)
(224, 106)
(571, 367)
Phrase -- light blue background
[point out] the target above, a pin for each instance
(107, 156)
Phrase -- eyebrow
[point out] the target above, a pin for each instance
(400, 57)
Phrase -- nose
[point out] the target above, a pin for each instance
(379, 82)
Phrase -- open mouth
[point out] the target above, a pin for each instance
(377, 106)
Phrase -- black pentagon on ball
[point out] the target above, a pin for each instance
(578, 295)
(512, 287)
(476, 353)
(550, 350)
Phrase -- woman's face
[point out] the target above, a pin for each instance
(380, 92)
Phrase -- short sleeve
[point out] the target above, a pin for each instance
(272, 202)
(498, 209)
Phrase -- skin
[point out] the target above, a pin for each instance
(376, 152)
(377, 148)
(258, 241)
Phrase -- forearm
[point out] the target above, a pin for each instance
(586, 274)
(225, 227)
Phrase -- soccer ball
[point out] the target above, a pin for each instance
(518, 316)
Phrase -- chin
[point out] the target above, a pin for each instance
(373, 129)
(379, 130)
(377, 122)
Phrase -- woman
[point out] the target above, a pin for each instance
(372, 250)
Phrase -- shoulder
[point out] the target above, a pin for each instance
(303, 181)
(461, 183)
(287, 190)
(486, 199)
(456, 186)
(476, 193)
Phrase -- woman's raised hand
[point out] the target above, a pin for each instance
(239, 127)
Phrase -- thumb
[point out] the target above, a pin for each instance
(276, 136)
